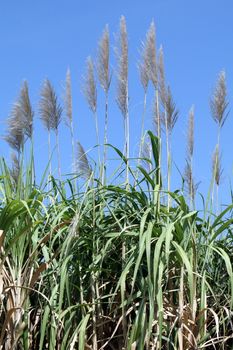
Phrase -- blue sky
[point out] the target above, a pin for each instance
(40, 39)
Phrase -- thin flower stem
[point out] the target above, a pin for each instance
(142, 129)
(218, 136)
(97, 140)
(217, 185)
(49, 153)
(58, 155)
(192, 185)
(142, 139)
(217, 199)
(127, 149)
(160, 147)
(105, 138)
(73, 153)
(33, 160)
(168, 147)
(72, 142)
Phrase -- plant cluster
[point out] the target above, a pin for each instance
(88, 264)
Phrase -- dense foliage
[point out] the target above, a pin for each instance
(65, 285)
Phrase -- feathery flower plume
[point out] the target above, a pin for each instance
(105, 80)
(90, 92)
(82, 165)
(103, 61)
(20, 121)
(151, 48)
(160, 95)
(89, 87)
(219, 102)
(171, 113)
(122, 76)
(49, 108)
(216, 173)
(161, 78)
(15, 132)
(50, 114)
(69, 111)
(26, 111)
(68, 99)
(190, 134)
(144, 66)
(188, 172)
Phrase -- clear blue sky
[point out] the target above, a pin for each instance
(41, 39)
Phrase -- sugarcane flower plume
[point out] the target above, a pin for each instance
(26, 111)
(144, 65)
(49, 108)
(219, 102)
(15, 131)
(89, 86)
(103, 61)
(20, 121)
(68, 99)
(122, 74)
(161, 78)
(151, 54)
(190, 136)
(171, 112)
